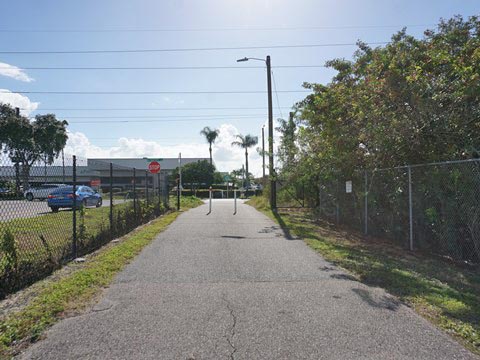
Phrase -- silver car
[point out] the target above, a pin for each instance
(41, 192)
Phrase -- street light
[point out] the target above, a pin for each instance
(273, 191)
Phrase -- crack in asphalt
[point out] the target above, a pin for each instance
(232, 329)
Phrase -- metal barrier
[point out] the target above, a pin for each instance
(430, 207)
(52, 213)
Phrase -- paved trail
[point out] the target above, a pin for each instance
(233, 287)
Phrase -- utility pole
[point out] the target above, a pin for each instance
(271, 171)
(263, 149)
(179, 180)
(180, 171)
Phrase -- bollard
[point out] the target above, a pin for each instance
(210, 201)
(234, 202)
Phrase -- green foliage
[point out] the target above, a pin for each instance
(412, 101)
(246, 142)
(9, 250)
(198, 172)
(210, 135)
(27, 142)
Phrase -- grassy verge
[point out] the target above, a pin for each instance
(74, 292)
(445, 294)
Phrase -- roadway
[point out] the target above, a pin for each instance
(17, 209)
(221, 286)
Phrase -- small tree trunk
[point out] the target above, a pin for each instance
(45, 169)
(17, 179)
(25, 175)
(246, 165)
(210, 149)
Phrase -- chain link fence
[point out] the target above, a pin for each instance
(430, 207)
(53, 213)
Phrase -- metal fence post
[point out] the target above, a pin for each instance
(111, 201)
(166, 190)
(146, 186)
(366, 203)
(337, 204)
(74, 212)
(159, 191)
(410, 207)
(134, 195)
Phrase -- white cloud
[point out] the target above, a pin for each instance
(18, 100)
(225, 156)
(14, 72)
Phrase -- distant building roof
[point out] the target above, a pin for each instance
(139, 163)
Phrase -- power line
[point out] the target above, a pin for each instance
(182, 49)
(162, 117)
(159, 120)
(294, 28)
(141, 137)
(148, 109)
(158, 67)
(276, 94)
(147, 92)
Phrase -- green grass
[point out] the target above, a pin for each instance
(75, 291)
(55, 227)
(447, 295)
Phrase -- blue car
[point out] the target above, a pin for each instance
(63, 197)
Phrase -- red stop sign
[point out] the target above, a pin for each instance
(154, 167)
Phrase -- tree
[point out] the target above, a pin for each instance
(28, 142)
(210, 135)
(236, 175)
(246, 142)
(200, 172)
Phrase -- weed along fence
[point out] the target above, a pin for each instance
(429, 207)
(53, 213)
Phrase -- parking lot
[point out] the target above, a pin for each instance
(17, 209)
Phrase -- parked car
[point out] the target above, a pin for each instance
(5, 192)
(63, 197)
(41, 192)
(255, 187)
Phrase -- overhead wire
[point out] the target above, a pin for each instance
(255, 28)
(276, 94)
(148, 109)
(155, 67)
(147, 92)
(160, 117)
(116, 51)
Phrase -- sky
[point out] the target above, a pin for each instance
(163, 125)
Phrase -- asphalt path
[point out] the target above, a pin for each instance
(221, 286)
(17, 209)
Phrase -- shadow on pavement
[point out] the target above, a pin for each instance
(383, 302)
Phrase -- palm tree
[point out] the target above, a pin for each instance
(246, 142)
(211, 135)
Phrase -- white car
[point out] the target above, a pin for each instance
(41, 192)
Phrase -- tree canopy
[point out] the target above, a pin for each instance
(210, 135)
(411, 101)
(27, 142)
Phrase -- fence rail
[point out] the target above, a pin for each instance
(430, 207)
(51, 214)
